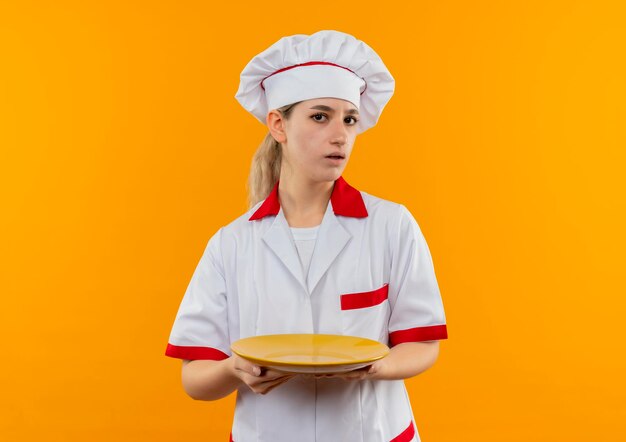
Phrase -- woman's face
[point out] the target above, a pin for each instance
(319, 136)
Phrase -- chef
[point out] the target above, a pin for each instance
(312, 255)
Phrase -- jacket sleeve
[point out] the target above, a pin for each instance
(417, 312)
(200, 330)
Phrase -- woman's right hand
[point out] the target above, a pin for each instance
(260, 380)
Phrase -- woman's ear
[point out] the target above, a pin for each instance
(276, 125)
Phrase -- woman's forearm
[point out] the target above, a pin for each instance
(406, 360)
(209, 380)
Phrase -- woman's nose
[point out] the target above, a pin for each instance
(340, 133)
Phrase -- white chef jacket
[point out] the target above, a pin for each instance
(371, 275)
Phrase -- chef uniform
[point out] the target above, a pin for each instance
(369, 272)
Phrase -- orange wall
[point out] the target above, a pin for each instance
(123, 150)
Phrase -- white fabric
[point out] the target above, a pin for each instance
(304, 237)
(313, 81)
(368, 84)
(249, 282)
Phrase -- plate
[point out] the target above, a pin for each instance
(310, 353)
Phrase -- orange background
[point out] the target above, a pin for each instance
(124, 150)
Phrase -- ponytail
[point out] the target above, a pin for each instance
(266, 164)
(265, 169)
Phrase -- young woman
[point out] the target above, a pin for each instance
(312, 255)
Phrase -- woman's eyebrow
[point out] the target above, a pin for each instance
(330, 109)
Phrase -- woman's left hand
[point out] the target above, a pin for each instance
(371, 372)
(403, 361)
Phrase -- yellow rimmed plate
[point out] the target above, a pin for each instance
(310, 353)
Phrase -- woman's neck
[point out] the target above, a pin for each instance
(303, 202)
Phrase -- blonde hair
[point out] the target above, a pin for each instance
(266, 164)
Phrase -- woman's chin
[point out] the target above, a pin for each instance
(331, 173)
(328, 178)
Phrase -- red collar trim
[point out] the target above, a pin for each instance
(345, 199)
(271, 205)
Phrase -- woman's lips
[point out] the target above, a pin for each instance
(336, 155)
(335, 159)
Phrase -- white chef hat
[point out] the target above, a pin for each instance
(324, 64)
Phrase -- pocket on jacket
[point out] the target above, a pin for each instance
(352, 301)
(366, 314)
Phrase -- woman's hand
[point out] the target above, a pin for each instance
(260, 380)
(404, 361)
(371, 372)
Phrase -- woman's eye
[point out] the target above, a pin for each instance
(322, 117)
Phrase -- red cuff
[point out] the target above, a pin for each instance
(192, 353)
(407, 435)
(417, 334)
